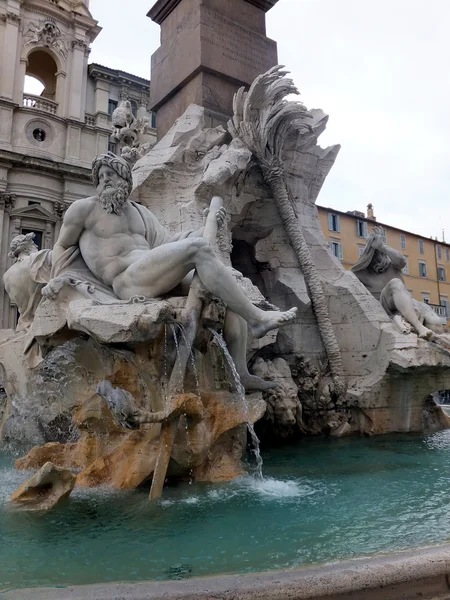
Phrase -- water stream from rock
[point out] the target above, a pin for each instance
(241, 391)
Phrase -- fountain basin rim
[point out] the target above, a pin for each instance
(425, 571)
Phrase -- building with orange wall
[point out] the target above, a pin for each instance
(427, 273)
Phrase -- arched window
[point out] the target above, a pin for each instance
(42, 68)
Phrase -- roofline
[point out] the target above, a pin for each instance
(376, 222)
(97, 70)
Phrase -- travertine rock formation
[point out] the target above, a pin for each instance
(46, 488)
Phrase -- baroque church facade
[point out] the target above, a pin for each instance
(48, 141)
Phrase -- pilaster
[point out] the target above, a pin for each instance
(10, 20)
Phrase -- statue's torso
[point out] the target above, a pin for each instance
(18, 284)
(110, 243)
(376, 282)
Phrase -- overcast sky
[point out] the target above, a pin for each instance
(379, 68)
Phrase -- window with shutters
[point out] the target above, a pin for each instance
(405, 269)
(422, 268)
(361, 229)
(334, 222)
(337, 250)
(402, 241)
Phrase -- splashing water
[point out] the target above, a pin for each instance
(197, 387)
(241, 391)
(185, 419)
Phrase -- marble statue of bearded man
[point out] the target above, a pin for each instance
(117, 249)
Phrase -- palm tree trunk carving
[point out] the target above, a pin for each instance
(263, 119)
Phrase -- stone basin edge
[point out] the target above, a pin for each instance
(423, 574)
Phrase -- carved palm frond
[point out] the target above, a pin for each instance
(263, 117)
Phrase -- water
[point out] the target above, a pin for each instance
(320, 501)
(241, 391)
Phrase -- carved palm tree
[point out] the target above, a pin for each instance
(264, 120)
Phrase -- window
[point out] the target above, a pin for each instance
(439, 252)
(405, 269)
(361, 250)
(39, 135)
(112, 105)
(441, 273)
(31, 202)
(134, 107)
(361, 229)
(444, 302)
(153, 120)
(447, 254)
(334, 222)
(402, 241)
(383, 235)
(37, 236)
(422, 269)
(112, 147)
(337, 250)
(426, 297)
(421, 250)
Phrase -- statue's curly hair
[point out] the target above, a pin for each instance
(119, 165)
(19, 243)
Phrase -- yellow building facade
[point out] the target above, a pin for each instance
(427, 273)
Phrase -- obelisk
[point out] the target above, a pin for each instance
(209, 49)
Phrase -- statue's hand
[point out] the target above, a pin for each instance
(377, 242)
(53, 287)
(221, 216)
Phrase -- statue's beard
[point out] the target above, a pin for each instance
(380, 262)
(113, 197)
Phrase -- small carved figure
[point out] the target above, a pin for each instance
(131, 133)
(20, 281)
(122, 118)
(380, 270)
(47, 34)
(284, 409)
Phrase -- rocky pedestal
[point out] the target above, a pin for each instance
(46, 488)
(388, 374)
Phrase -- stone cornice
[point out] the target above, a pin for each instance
(163, 8)
(11, 17)
(14, 159)
(97, 71)
(264, 5)
(34, 211)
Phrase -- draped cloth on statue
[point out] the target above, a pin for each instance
(71, 269)
(76, 281)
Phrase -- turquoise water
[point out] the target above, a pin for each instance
(322, 500)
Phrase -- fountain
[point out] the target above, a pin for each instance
(143, 356)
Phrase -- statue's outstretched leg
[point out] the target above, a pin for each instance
(396, 298)
(158, 271)
(235, 335)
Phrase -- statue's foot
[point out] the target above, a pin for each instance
(254, 383)
(425, 333)
(401, 324)
(272, 319)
